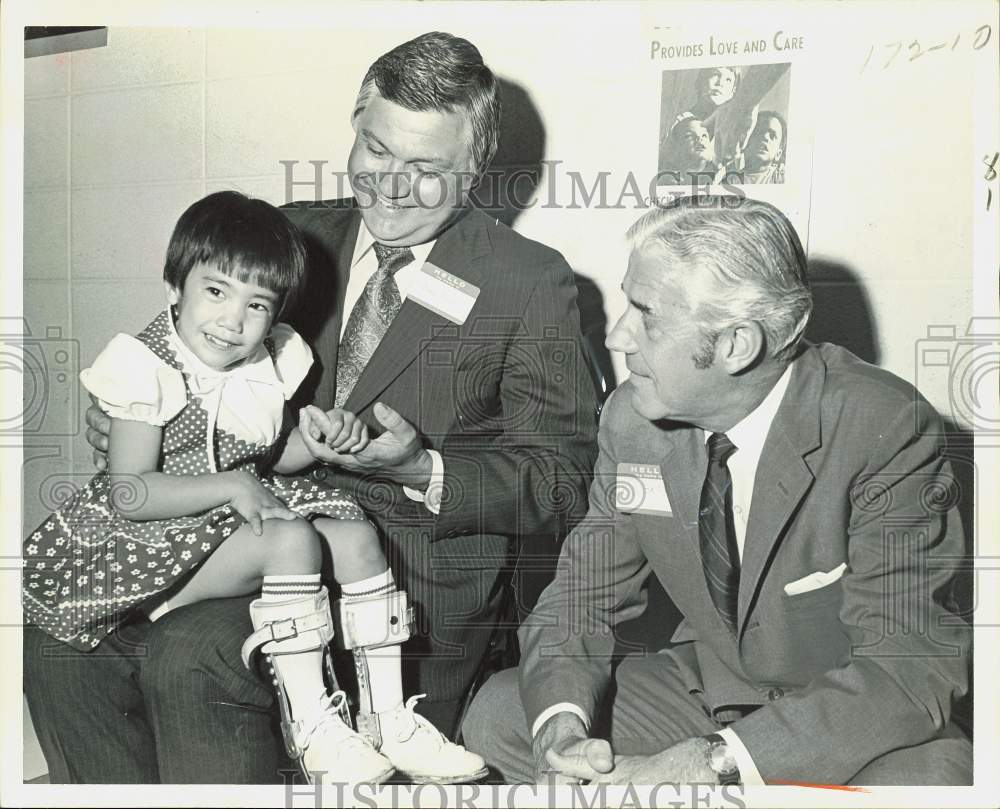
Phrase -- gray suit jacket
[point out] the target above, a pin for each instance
(507, 400)
(851, 472)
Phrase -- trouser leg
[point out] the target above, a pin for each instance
(495, 728)
(650, 710)
(214, 720)
(945, 760)
(87, 708)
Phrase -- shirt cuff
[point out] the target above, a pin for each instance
(559, 707)
(749, 775)
(431, 497)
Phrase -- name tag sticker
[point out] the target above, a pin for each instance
(639, 489)
(444, 294)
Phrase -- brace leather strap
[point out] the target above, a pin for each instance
(368, 623)
(282, 630)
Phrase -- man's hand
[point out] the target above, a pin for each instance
(564, 754)
(397, 454)
(98, 429)
(684, 763)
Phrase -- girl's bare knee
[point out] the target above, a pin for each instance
(360, 535)
(355, 540)
(292, 544)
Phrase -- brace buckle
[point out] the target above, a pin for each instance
(284, 629)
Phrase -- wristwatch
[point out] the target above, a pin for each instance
(721, 760)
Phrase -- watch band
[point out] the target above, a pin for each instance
(721, 760)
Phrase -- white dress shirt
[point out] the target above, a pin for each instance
(364, 263)
(748, 435)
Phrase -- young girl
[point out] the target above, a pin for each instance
(183, 513)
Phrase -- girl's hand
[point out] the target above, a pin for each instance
(343, 431)
(255, 503)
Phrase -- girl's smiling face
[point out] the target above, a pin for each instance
(221, 319)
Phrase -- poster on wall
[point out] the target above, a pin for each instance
(732, 111)
(727, 124)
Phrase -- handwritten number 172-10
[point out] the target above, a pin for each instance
(914, 50)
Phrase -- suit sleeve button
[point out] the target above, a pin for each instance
(775, 693)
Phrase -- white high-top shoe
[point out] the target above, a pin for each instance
(420, 752)
(332, 752)
(326, 747)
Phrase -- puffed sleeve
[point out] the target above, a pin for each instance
(292, 357)
(132, 383)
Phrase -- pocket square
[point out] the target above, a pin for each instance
(815, 580)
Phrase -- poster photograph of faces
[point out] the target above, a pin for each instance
(726, 125)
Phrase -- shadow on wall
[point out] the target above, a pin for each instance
(842, 313)
(510, 187)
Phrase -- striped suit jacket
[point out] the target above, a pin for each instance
(507, 400)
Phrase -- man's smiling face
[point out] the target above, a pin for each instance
(411, 171)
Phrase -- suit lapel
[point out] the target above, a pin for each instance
(783, 476)
(348, 238)
(458, 250)
(683, 469)
(330, 240)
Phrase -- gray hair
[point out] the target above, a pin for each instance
(741, 260)
(445, 73)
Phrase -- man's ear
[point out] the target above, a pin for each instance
(172, 294)
(743, 346)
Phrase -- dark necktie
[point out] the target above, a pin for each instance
(370, 318)
(719, 554)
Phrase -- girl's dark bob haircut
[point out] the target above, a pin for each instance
(248, 239)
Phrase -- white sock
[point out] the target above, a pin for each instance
(378, 584)
(302, 672)
(384, 677)
(285, 588)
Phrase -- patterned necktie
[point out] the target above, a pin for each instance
(719, 554)
(370, 318)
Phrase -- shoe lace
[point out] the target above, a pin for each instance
(330, 705)
(421, 725)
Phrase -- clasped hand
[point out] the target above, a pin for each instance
(339, 438)
(683, 763)
(564, 754)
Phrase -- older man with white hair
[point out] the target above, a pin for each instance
(795, 504)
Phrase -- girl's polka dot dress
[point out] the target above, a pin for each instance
(87, 566)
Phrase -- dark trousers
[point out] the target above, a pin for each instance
(168, 702)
